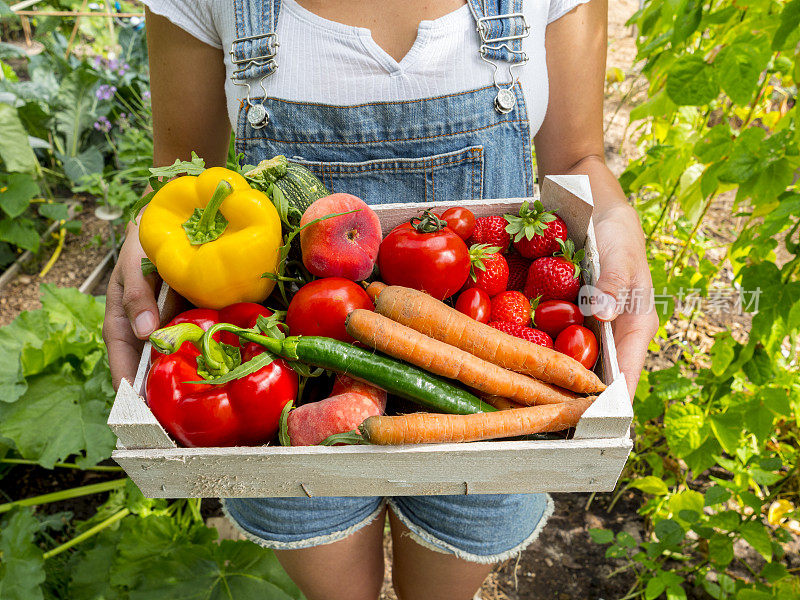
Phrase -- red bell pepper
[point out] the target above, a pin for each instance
(242, 412)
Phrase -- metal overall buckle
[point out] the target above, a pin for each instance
(505, 100)
(256, 113)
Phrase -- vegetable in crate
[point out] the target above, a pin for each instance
(523, 332)
(475, 303)
(428, 428)
(536, 231)
(299, 186)
(511, 307)
(488, 269)
(321, 307)
(460, 220)
(492, 232)
(211, 237)
(556, 277)
(342, 246)
(578, 342)
(553, 316)
(426, 255)
(386, 373)
(404, 343)
(437, 320)
(242, 412)
(350, 402)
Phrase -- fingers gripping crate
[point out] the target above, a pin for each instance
(591, 460)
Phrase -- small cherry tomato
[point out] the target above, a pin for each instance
(321, 307)
(553, 316)
(460, 220)
(475, 303)
(579, 343)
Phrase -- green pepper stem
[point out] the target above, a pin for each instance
(168, 340)
(206, 224)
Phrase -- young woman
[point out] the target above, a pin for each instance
(399, 100)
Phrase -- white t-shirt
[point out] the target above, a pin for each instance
(325, 62)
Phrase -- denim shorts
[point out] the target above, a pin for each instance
(481, 528)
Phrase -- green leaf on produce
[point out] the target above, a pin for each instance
(243, 370)
(194, 166)
(20, 189)
(22, 566)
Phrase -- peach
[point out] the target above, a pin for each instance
(343, 246)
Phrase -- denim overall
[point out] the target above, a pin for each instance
(470, 145)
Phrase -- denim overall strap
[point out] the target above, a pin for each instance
(501, 27)
(254, 49)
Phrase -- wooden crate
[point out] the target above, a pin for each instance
(591, 460)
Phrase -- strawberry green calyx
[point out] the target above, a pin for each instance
(530, 222)
(568, 253)
(477, 254)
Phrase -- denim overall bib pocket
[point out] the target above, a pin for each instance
(464, 146)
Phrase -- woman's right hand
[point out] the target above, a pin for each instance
(131, 310)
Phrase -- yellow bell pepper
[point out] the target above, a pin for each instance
(212, 237)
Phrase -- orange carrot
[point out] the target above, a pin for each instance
(375, 288)
(430, 428)
(501, 403)
(435, 319)
(399, 341)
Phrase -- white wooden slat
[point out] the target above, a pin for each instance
(474, 468)
(133, 423)
(610, 416)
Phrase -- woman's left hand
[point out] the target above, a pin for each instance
(625, 288)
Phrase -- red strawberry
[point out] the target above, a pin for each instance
(492, 232)
(555, 277)
(517, 271)
(536, 231)
(512, 307)
(489, 269)
(526, 333)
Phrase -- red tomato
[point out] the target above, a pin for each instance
(460, 220)
(553, 316)
(425, 255)
(579, 343)
(475, 303)
(321, 307)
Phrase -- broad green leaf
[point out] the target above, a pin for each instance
(739, 68)
(756, 534)
(790, 21)
(89, 572)
(5, 11)
(650, 485)
(686, 501)
(687, 21)
(704, 457)
(69, 307)
(75, 115)
(20, 232)
(658, 105)
(655, 587)
(15, 151)
(720, 549)
(20, 188)
(83, 164)
(716, 494)
(722, 352)
(55, 212)
(727, 520)
(691, 81)
(747, 157)
(70, 417)
(727, 428)
(684, 426)
(751, 594)
(715, 145)
(22, 567)
(759, 368)
(669, 532)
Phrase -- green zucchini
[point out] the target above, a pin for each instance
(398, 378)
(300, 187)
